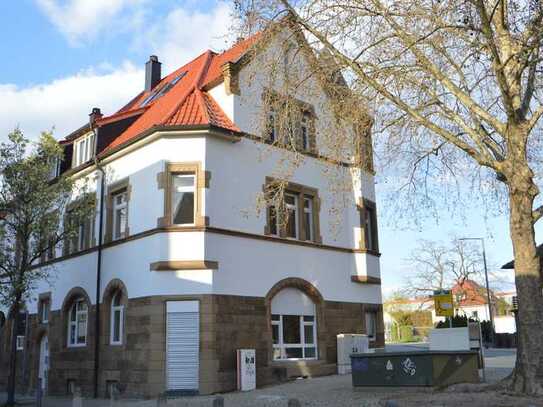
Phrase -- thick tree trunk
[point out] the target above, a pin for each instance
(13, 355)
(528, 374)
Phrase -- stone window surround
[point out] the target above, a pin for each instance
(362, 205)
(271, 97)
(113, 189)
(164, 180)
(300, 191)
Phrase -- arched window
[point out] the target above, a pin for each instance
(294, 325)
(77, 323)
(116, 319)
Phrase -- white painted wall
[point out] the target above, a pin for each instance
(252, 267)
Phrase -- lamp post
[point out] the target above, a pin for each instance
(482, 240)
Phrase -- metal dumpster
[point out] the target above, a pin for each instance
(422, 368)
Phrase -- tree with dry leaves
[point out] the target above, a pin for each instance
(455, 92)
(436, 266)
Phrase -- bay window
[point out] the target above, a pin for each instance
(183, 191)
(77, 323)
(183, 185)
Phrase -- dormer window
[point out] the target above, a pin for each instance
(84, 149)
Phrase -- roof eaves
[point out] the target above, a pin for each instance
(215, 130)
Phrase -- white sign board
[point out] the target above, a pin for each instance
(246, 369)
(449, 339)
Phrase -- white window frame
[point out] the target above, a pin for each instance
(84, 149)
(114, 309)
(282, 346)
(45, 308)
(373, 335)
(20, 342)
(75, 323)
(309, 211)
(116, 207)
(296, 214)
(192, 189)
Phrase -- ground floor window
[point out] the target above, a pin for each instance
(371, 324)
(294, 336)
(77, 324)
(294, 327)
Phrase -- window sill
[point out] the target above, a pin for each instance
(82, 345)
(296, 362)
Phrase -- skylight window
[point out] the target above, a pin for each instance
(162, 90)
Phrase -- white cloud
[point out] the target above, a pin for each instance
(80, 20)
(65, 103)
(182, 35)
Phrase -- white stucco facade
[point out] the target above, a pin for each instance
(249, 264)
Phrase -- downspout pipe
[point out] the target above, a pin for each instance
(98, 260)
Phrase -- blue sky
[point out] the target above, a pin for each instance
(62, 57)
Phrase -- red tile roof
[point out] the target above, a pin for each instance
(184, 100)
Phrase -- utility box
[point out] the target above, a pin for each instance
(347, 344)
(424, 368)
(246, 369)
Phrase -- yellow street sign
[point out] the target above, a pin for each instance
(443, 303)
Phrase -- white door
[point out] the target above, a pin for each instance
(182, 345)
(44, 363)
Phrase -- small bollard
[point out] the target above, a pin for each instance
(218, 401)
(161, 401)
(294, 403)
(77, 401)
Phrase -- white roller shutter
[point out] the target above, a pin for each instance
(182, 345)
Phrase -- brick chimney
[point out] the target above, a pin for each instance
(95, 114)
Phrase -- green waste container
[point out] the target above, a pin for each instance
(423, 368)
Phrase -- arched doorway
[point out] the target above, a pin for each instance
(43, 371)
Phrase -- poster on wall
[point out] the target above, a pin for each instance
(246, 369)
